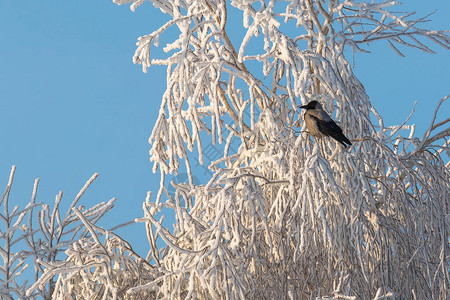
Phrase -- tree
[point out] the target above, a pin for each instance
(37, 236)
(284, 215)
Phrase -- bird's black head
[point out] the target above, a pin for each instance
(312, 105)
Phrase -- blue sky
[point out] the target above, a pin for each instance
(72, 102)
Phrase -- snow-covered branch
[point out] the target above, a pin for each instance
(37, 236)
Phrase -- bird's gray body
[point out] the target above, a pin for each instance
(311, 116)
(320, 124)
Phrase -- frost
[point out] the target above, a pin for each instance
(282, 215)
(37, 236)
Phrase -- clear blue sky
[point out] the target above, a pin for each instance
(72, 102)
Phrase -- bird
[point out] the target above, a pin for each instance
(319, 123)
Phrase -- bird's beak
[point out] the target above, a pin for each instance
(303, 106)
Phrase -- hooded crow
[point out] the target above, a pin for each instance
(319, 123)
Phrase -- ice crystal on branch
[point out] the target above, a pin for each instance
(37, 236)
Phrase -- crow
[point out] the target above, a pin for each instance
(319, 123)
